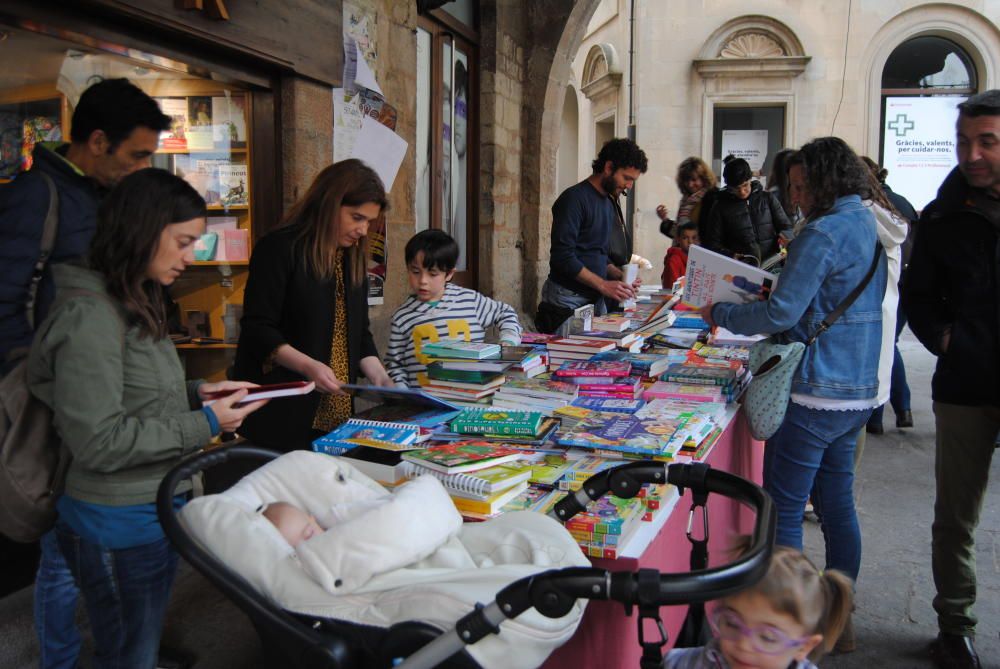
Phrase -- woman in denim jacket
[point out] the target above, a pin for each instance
(834, 389)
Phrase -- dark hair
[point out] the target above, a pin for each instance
(117, 107)
(622, 153)
(832, 170)
(986, 103)
(778, 179)
(315, 216)
(129, 224)
(880, 172)
(461, 79)
(440, 250)
(685, 226)
(736, 171)
(694, 167)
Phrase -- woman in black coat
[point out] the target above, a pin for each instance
(745, 219)
(305, 311)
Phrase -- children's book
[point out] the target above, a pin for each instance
(642, 363)
(376, 434)
(620, 339)
(712, 277)
(616, 432)
(626, 406)
(683, 391)
(497, 422)
(541, 388)
(440, 371)
(461, 456)
(398, 395)
(537, 338)
(454, 348)
(481, 483)
(490, 505)
(607, 384)
(611, 323)
(413, 414)
(709, 375)
(590, 368)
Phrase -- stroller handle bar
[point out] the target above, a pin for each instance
(553, 592)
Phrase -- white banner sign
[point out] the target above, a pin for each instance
(750, 145)
(919, 146)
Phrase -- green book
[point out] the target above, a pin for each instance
(441, 372)
(495, 421)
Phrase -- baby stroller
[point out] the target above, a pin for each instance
(295, 640)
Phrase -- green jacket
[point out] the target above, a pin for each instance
(120, 404)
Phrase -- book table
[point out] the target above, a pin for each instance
(607, 637)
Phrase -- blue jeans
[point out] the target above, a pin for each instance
(126, 592)
(55, 608)
(813, 450)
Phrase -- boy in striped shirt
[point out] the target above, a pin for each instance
(438, 309)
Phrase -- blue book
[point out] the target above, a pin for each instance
(644, 364)
(373, 433)
(398, 395)
(609, 404)
(624, 434)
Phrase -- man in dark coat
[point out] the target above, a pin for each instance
(951, 298)
(115, 129)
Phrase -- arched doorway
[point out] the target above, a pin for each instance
(568, 164)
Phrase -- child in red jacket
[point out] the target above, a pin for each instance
(676, 260)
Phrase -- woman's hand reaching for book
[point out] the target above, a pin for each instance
(228, 412)
(324, 378)
(211, 391)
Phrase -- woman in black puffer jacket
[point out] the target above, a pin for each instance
(745, 219)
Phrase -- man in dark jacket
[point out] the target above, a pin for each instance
(951, 298)
(745, 220)
(115, 130)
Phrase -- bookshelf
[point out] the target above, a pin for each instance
(208, 145)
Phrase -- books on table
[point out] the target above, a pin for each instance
(590, 368)
(712, 277)
(398, 395)
(497, 422)
(488, 506)
(610, 405)
(590, 346)
(453, 348)
(439, 371)
(376, 434)
(611, 323)
(642, 363)
(461, 456)
(545, 388)
(683, 391)
(621, 433)
(477, 484)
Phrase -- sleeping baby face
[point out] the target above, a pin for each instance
(294, 524)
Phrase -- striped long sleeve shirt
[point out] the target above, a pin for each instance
(459, 314)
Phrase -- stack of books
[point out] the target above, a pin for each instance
(728, 378)
(480, 477)
(566, 350)
(535, 394)
(526, 361)
(611, 323)
(614, 434)
(601, 378)
(629, 340)
(683, 391)
(463, 381)
(646, 365)
(609, 405)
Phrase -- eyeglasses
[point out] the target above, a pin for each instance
(728, 625)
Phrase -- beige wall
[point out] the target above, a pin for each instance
(674, 103)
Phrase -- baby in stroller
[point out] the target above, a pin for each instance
(385, 558)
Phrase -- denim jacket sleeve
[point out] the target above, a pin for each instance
(811, 257)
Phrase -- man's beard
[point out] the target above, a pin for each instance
(609, 186)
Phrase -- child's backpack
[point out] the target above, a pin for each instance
(32, 463)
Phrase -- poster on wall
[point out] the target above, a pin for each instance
(919, 145)
(750, 145)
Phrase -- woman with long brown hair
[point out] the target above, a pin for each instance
(305, 311)
(103, 363)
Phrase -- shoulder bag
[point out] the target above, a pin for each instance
(773, 364)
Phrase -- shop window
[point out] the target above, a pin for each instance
(447, 133)
(209, 145)
(922, 82)
(753, 133)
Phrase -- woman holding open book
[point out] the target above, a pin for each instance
(834, 390)
(103, 363)
(305, 310)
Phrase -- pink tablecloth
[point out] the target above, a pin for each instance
(606, 637)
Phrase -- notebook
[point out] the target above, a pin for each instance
(462, 456)
(478, 484)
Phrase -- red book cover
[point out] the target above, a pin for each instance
(585, 345)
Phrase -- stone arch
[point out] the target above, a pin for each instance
(752, 43)
(972, 31)
(569, 141)
(548, 72)
(602, 70)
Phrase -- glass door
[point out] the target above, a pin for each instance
(447, 140)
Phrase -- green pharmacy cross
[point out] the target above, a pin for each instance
(901, 125)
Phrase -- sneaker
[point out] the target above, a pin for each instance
(905, 419)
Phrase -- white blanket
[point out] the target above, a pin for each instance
(432, 570)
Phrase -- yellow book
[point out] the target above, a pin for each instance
(490, 505)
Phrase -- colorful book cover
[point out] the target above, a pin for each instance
(537, 338)
(528, 499)
(229, 126)
(616, 432)
(626, 406)
(611, 323)
(683, 391)
(489, 505)
(440, 372)
(409, 413)
(234, 187)
(541, 388)
(580, 345)
(550, 469)
(453, 348)
(591, 368)
(617, 384)
(462, 456)
(687, 373)
(478, 484)
(376, 434)
(712, 277)
(175, 137)
(497, 422)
